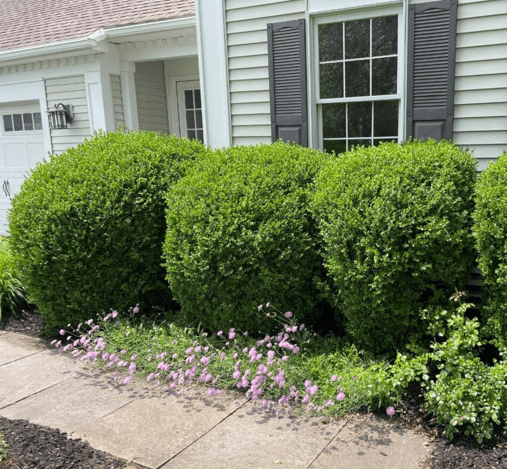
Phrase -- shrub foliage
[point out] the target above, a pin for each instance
(395, 223)
(87, 227)
(240, 234)
(490, 229)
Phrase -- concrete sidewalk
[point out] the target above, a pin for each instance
(142, 424)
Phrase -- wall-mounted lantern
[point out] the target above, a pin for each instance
(60, 117)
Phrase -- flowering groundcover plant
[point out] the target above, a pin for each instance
(290, 371)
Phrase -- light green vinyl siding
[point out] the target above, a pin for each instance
(69, 90)
(247, 46)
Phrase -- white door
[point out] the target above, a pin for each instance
(190, 110)
(21, 146)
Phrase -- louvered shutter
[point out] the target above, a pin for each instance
(287, 81)
(431, 66)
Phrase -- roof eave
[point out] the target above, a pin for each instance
(94, 40)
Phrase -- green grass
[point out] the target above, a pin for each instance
(12, 295)
(318, 360)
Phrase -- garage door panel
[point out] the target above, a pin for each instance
(16, 155)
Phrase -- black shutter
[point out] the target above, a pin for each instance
(287, 81)
(431, 66)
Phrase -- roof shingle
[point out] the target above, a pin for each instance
(27, 23)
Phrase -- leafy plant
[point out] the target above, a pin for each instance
(239, 229)
(4, 449)
(460, 390)
(395, 225)
(88, 225)
(11, 290)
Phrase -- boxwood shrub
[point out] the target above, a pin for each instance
(240, 234)
(490, 230)
(395, 223)
(88, 225)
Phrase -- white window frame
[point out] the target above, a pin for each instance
(315, 104)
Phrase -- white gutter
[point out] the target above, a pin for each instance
(92, 42)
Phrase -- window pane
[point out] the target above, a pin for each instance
(331, 80)
(384, 36)
(37, 120)
(191, 134)
(333, 116)
(198, 119)
(358, 143)
(8, 123)
(189, 99)
(386, 119)
(200, 135)
(18, 122)
(190, 120)
(359, 120)
(27, 120)
(338, 146)
(357, 39)
(384, 76)
(357, 78)
(331, 42)
(197, 99)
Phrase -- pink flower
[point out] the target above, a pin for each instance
(340, 396)
(267, 304)
(390, 411)
(333, 378)
(313, 390)
(232, 335)
(283, 400)
(126, 380)
(62, 332)
(115, 376)
(198, 349)
(190, 360)
(285, 358)
(306, 398)
(174, 355)
(288, 314)
(235, 355)
(219, 333)
(114, 314)
(135, 310)
(236, 374)
(259, 307)
(123, 352)
(133, 357)
(188, 351)
(132, 368)
(294, 328)
(204, 360)
(150, 377)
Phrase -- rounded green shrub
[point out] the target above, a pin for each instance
(88, 225)
(490, 230)
(395, 223)
(240, 234)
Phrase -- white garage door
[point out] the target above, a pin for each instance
(21, 146)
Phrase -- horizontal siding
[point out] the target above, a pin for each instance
(69, 90)
(119, 118)
(480, 100)
(151, 97)
(247, 46)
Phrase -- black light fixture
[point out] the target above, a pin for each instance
(60, 116)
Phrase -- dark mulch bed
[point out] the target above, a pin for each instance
(33, 446)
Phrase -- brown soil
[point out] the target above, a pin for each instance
(34, 446)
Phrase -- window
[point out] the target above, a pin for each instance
(22, 122)
(190, 110)
(357, 89)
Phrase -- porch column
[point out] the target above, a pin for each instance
(100, 101)
(211, 46)
(128, 92)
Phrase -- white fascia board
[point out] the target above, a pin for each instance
(47, 49)
(145, 28)
(96, 41)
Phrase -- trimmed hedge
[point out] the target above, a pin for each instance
(395, 223)
(87, 227)
(490, 230)
(240, 234)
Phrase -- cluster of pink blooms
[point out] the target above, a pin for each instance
(193, 366)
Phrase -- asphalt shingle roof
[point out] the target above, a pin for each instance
(27, 23)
